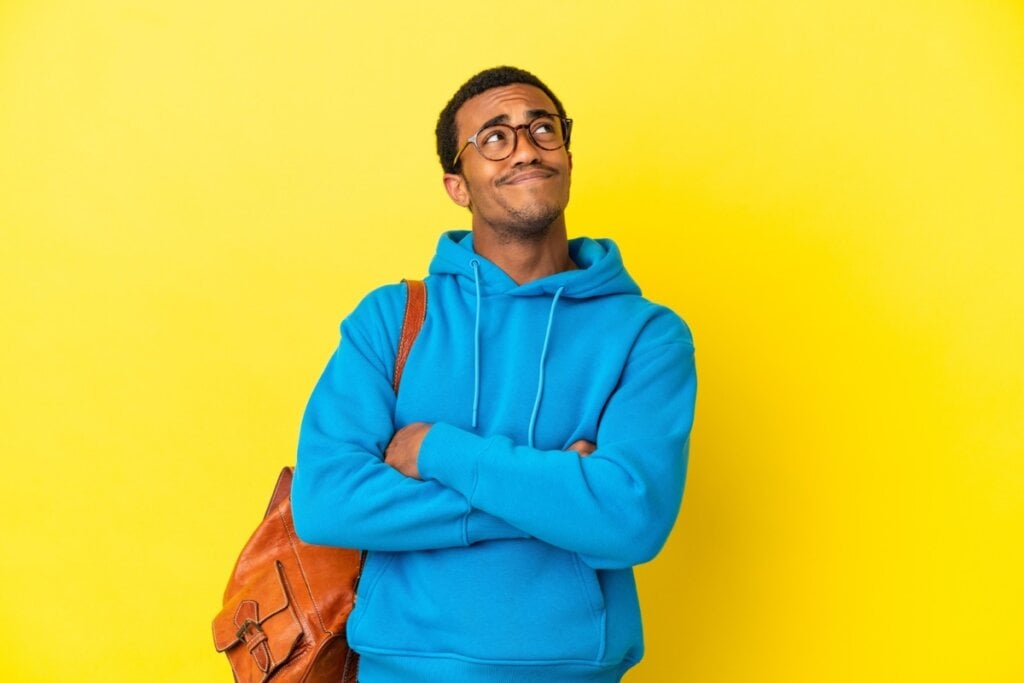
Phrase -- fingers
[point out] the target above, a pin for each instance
(583, 447)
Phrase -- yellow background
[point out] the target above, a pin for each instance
(193, 194)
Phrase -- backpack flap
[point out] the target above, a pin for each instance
(257, 627)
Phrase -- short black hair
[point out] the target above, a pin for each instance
(496, 77)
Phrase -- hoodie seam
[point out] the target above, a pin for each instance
(465, 523)
(640, 353)
(476, 471)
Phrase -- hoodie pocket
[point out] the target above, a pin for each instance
(502, 601)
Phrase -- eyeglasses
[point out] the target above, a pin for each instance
(498, 141)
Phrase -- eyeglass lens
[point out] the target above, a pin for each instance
(498, 141)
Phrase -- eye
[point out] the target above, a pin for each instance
(544, 129)
(491, 136)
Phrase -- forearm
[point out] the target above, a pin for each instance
(353, 500)
(612, 515)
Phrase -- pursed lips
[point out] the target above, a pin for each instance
(524, 176)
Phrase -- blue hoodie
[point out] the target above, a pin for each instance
(512, 559)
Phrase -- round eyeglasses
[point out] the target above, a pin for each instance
(498, 141)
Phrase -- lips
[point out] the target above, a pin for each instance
(531, 174)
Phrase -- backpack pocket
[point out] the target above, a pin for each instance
(257, 628)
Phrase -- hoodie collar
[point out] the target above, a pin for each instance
(601, 271)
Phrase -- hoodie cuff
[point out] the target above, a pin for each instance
(450, 455)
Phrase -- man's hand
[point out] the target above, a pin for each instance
(403, 452)
(583, 447)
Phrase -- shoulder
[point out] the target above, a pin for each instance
(384, 303)
(661, 327)
(376, 322)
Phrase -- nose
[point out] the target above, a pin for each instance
(524, 153)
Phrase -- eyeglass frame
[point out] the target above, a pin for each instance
(471, 140)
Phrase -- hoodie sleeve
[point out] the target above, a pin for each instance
(343, 493)
(617, 506)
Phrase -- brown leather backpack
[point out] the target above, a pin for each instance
(287, 603)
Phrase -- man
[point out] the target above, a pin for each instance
(538, 447)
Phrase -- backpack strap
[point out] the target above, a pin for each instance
(282, 490)
(415, 314)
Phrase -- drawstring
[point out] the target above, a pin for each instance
(476, 343)
(476, 354)
(543, 355)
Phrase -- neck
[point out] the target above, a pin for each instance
(525, 261)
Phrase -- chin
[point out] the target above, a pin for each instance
(530, 224)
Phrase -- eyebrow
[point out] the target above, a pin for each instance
(530, 116)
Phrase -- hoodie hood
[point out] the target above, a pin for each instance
(600, 273)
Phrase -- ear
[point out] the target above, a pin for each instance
(570, 159)
(455, 186)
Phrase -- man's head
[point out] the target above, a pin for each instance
(448, 140)
(522, 190)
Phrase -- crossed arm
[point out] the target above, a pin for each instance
(403, 452)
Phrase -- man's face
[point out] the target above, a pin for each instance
(520, 197)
